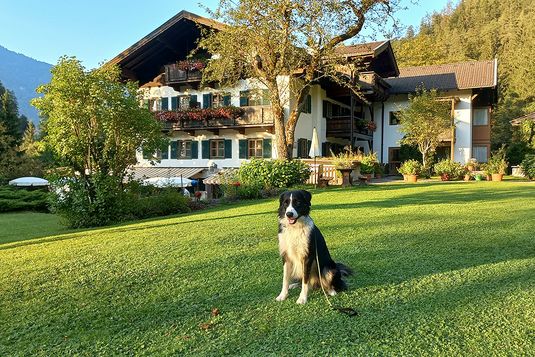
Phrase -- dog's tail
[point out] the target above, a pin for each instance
(342, 271)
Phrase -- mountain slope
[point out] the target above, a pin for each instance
(23, 75)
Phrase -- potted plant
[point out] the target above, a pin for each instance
(379, 170)
(448, 170)
(497, 164)
(367, 165)
(472, 165)
(345, 163)
(410, 170)
(486, 171)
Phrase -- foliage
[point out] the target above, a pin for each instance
(273, 173)
(95, 124)
(517, 151)
(452, 273)
(198, 114)
(528, 166)
(13, 199)
(347, 159)
(482, 30)
(424, 121)
(13, 123)
(497, 163)
(266, 40)
(165, 202)
(368, 163)
(449, 168)
(410, 167)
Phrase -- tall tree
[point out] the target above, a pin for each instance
(94, 121)
(424, 121)
(288, 45)
(14, 124)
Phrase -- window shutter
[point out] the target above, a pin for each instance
(308, 104)
(205, 149)
(244, 98)
(309, 144)
(267, 148)
(243, 149)
(226, 100)
(228, 149)
(165, 152)
(174, 103)
(193, 101)
(174, 149)
(300, 148)
(165, 103)
(207, 100)
(194, 149)
(324, 149)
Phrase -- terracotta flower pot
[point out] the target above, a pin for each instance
(445, 177)
(497, 177)
(405, 178)
(412, 178)
(368, 176)
(467, 177)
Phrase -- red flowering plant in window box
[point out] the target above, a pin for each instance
(196, 114)
(191, 65)
(371, 126)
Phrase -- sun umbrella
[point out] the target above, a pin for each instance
(315, 151)
(29, 181)
(167, 182)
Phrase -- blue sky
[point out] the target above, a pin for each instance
(97, 30)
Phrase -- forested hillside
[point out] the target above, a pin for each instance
(480, 30)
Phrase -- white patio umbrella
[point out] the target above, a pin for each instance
(315, 151)
(29, 182)
(167, 182)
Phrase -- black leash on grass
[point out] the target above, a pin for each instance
(343, 310)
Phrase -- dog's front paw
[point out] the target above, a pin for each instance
(302, 300)
(281, 297)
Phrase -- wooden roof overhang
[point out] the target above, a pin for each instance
(520, 120)
(172, 41)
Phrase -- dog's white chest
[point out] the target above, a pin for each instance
(293, 242)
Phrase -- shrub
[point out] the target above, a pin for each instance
(273, 173)
(410, 167)
(497, 163)
(346, 159)
(168, 201)
(528, 166)
(368, 163)
(449, 168)
(13, 199)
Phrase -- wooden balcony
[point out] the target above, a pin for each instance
(174, 75)
(341, 127)
(254, 117)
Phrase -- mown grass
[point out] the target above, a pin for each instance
(441, 269)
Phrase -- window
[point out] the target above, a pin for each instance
(394, 118)
(184, 102)
(255, 147)
(217, 149)
(219, 100)
(394, 155)
(185, 150)
(155, 105)
(480, 153)
(307, 107)
(249, 98)
(481, 116)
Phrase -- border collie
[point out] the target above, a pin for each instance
(298, 239)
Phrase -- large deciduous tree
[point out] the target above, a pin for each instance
(424, 121)
(94, 122)
(288, 45)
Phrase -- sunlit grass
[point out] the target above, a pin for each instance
(440, 269)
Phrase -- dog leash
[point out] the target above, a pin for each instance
(343, 310)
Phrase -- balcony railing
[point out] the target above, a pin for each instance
(341, 126)
(175, 75)
(255, 116)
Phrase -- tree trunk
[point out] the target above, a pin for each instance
(280, 137)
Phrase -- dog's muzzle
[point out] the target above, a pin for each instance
(290, 217)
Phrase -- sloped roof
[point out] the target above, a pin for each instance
(464, 75)
(518, 121)
(370, 48)
(377, 56)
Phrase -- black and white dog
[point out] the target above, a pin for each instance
(298, 239)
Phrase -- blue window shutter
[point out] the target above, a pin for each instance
(174, 149)
(165, 103)
(226, 100)
(205, 148)
(193, 101)
(308, 104)
(174, 103)
(207, 100)
(194, 149)
(267, 148)
(244, 98)
(243, 149)
(228, 149)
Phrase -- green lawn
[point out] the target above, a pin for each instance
(441, 269)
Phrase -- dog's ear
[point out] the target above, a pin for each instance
(308, 196)
(282, 196)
